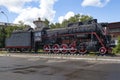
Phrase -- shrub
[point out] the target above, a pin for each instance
(117, 48)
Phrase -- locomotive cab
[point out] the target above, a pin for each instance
(37, 36)
(37, 40)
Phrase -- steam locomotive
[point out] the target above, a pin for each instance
(79, 37)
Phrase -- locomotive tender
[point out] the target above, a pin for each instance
(80, 37)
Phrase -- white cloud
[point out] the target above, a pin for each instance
(30, 13)
(96, 3)
(14, 5)
(67, 16)
(46, 9)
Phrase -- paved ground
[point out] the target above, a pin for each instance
(36, 68)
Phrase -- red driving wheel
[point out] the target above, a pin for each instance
(102, 50)
(56, 48)
(46, 48)
(64, 48)
(82, 50)
(72, 49)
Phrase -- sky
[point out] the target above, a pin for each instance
(13, 11)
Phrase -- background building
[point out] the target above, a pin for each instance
(114, 30)
(3, 24)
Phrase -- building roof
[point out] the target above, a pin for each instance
(6, 24)
(114, 25)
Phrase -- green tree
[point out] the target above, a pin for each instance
(75, 18)
(2, 37)
(117, 48)
(10, 29)
(20, 26)
(47, 22)
(65, 23)
(57, 25)
(85, 18)
(52, 26)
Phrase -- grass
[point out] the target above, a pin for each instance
(3, 52)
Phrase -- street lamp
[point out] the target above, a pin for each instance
(5, 16)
